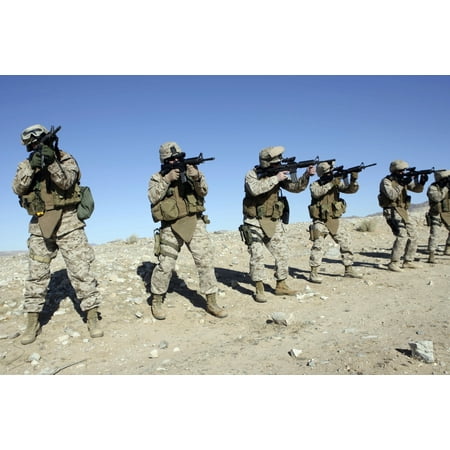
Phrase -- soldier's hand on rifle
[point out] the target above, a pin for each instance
(173, 175)
(281, 176)
(311, 170)
(423, 179)
(35, 160)
(48, 154)
(354, 176)
(192, 172)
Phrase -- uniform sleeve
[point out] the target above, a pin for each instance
(200, 185)
(64, 172)
(23, 178)
(299, 185)
(255, 186)
(390, 190)
(157, 188)
(319, 190)
(435, 194)
(348, 188)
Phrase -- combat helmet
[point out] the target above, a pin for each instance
(440, 174)
(323, 168)
(170, 150)
(270, 155)
(32, 133)
(397, 165)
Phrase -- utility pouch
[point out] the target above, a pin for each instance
(166, 210)
(428, 219)
(32, 203)
(286, 210)
(246, 234)
(86, 206)
(339, 208)
(156, 242)
(314, 211)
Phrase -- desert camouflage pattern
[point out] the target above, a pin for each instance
(202, 252)
(255, 187)
(276, 246)
(158, 186)
(78, 256)
(405, 243)
(69, 238)
(320, 231)
(436, 194)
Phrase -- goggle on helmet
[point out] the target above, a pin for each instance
(32, 133)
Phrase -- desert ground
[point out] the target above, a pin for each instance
(343, 326)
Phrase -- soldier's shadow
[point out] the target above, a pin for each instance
(176, 285)
(59, 288)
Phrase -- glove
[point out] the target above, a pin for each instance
(405, 180)
(354, 176)
(192, 172)
(48, 154)
(173, 175)
(423, 179)
(35, 160)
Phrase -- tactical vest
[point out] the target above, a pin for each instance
(402, 201)
(264, 205)
(44, 195)
(330, 206)
(437, 208)
(180, 201)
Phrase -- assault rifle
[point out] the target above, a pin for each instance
(288, 165)
(50, 139)
(341, 172)
(181, 164)
(412, 172)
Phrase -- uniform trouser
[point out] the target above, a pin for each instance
(435, 225)
(405, 243)
(201, 249)
(319, 231)
(78, 256)
(277, 248)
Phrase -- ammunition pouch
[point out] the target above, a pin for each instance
(167, 210)
(286, 210)
(318, 211)
(246, 234)
(339, 208)
(86, 205)
(33, 203)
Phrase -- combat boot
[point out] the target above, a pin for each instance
(213, 308)
(283, 289)
(351, 273)
(259, 294)
(93, 324)
(447, 250)
(314, 275)
(157, 310)
(394, 266)
(431, 258)
(409, 265)
(33, 328)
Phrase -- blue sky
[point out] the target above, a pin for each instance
(114, 125)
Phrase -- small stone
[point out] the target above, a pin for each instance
(422, 350)
(295, 352)
(154, 353)
(34, 357)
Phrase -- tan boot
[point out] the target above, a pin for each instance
(314, 275)
(351, 273)
(409, 265)
(93, 324)
(431, 258)
(283, 289)
(213, 308)
(33, 328)
(259, 294)
(394, 266)
(157, 310)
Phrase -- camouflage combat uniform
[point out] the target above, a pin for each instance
(395, 201)
(68, 236)
(268, 231)
(439, 213)
(199, 244)
(177, 199)
(325, 210)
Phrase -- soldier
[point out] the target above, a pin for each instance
(325, 209)
(47, 183)
(179, 206)
(263, 209)
(395, 201)
(439, 212)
